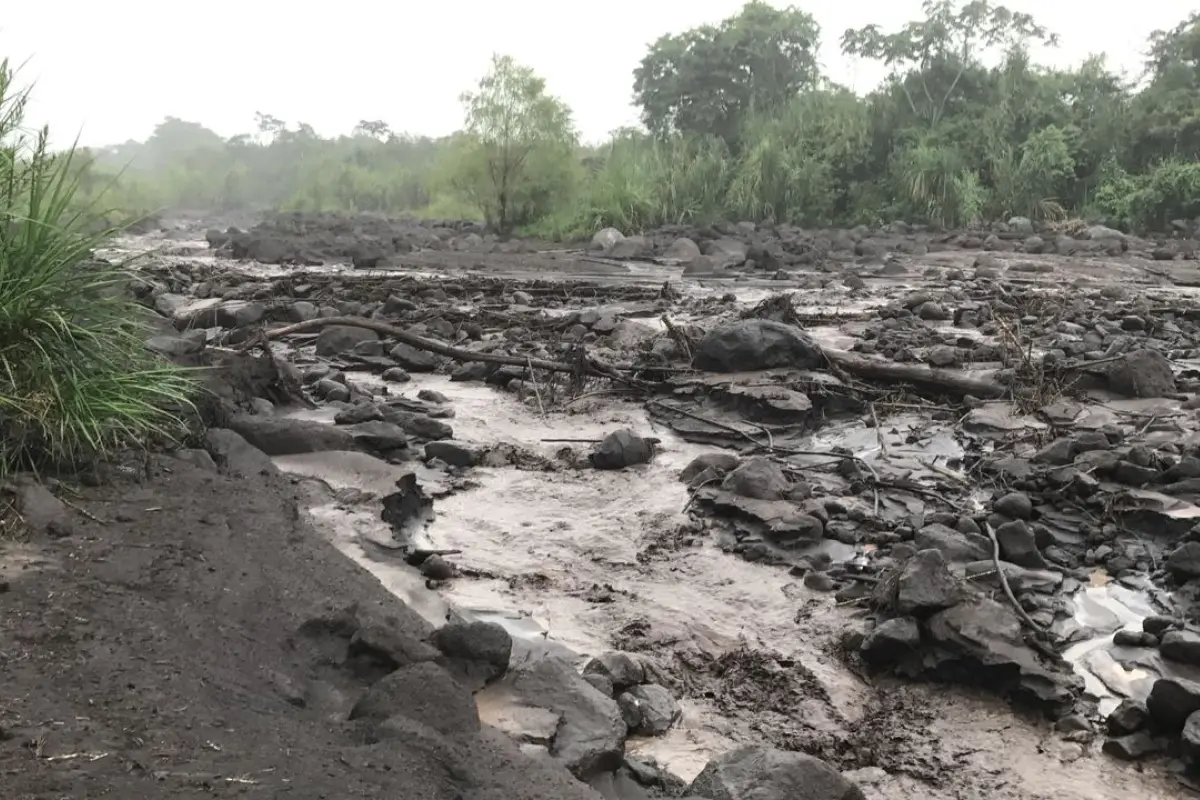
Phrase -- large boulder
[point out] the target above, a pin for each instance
(422, 692)
(754, 344)
(756, 772)
(1142, 373)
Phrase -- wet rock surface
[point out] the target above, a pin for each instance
(910, 458)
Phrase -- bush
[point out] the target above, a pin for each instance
(76, 380)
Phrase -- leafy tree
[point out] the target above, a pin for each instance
(516, 156)
(706, 81)
(1167, 111)
(929, 58)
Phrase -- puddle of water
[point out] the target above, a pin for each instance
(1105, 610)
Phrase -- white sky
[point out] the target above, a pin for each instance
(111, 70)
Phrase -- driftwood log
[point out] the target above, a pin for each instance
(944, 380)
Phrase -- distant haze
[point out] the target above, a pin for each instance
(111, 71)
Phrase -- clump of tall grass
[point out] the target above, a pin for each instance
(76, 379)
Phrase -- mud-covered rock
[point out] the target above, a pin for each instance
(475, 652)
(720, 463)
(1128, 717)
(925, 584)
(1170, 702)
(590, 735)
(1142, 373)
(337, 340)
(757, 772)
(953, 544)
(423, 692)
(620, 449)
(622, 669)
(759, 478)
(456, 454)
(648, 709)
(754, 344)
(285, 436)
(891, 641)
(1181, 646)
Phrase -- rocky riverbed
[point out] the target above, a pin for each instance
(901, 513)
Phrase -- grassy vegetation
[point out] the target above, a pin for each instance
(76, 380)
(744, 126)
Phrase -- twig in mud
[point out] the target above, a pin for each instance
(537, 392)
(597, 393)
(680, 338)
(883, 450)
(570, 441)
(1028, 620)
(82, 511)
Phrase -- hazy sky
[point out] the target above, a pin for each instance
(111, 70)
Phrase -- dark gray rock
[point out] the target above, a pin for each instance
(756, 344)
(285, 436)
(1131, 747)
(396, 375)
(418, 426)
(475, 652)
(1189, 740)
(336, 340)
(378, 437)
(758, 477)
(1171, 702)
(620, 449)
(424, 693)
(1015, 505)
(414, 360)
(1184, 561)
(756, 772)
(648, 709)
(891, 641)
(42, 514)
(1142, 373)
(954, 545)
(926, 585)
(720, 462)
(1181, 646)
(590, 735)
(1018, 545)
(235, 456)
(456, 454)
(621, 668)
(1129, 717)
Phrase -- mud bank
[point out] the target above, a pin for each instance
(942, 456)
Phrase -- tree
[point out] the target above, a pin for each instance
(707, 80)
(516, 155)
(375, 128)
(928, 58)
(1167, 112)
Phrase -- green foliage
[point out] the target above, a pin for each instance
(966, 128)
(515, 160)
(76, 380)
(706, 81)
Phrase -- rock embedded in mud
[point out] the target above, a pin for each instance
(720, 463)
(42, 514)
(1171, 702)
(396, 375)
(456, 454)
(382, 438)
(648, 709)
(891, 641)
(620, 449)
(414, 360)
(1142, 373)
(590, 735)
(1128, 717)
(759, 478)
(756, 344)
(424, 693)
(419, 426)
(1181, 646)
(1184, 561)
(285, 436)
(475, 652)
(336, 340)
(1131, 747)
(1018, 545)
(925, 584)
(621, 668)
(954, 545)
(235, 456)
(437, 568)
(1189, 740)
(1014, 505)
(756, 772)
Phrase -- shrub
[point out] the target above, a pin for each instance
(76, 379)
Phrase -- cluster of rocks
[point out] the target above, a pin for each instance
(1168, 721)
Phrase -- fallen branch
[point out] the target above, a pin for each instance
(952, 381)
(589, 365)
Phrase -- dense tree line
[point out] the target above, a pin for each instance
(740, 123)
